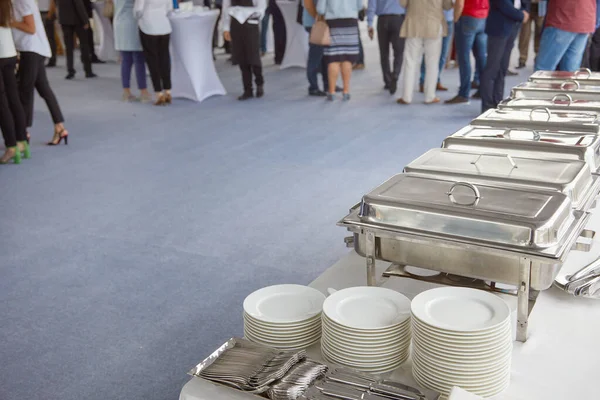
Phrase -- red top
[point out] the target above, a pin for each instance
(577, 18)
(477, 8)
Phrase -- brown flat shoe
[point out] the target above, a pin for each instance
(441, 88)
(421, 88)
(402, 101)
(434, 101)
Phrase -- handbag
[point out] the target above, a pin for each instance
(109, 9)
(319, 33)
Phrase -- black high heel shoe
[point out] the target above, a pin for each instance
(60, 135)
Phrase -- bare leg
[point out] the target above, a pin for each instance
(346, 74)
(333, 72)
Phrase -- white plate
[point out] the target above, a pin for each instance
(281, 338)
(282, 332)
(371, 370)
(480, 376)
(284, 326)
(432, 347)
(388, 330)
(370, 338)
(373, 358)
(485, 391)
(284, 303)
(484, 384)
(436, 344)
(360, 364)
(460, 309)
(358, 350)
(287, 346)
(465, 365)
(459, 336)
(401, 340)
(367, 307)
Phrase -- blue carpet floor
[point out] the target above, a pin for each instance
(125, 256)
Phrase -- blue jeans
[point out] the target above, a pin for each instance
(561, 49)
(445, 47)
(316, 63)
(470, 35)
(129, 59)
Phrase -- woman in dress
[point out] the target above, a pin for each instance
(424, 27)
(155, 33)
(343, 53)
(127, 41)
(32, 42)
(12, 116)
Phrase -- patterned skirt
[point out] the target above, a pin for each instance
(344, 41)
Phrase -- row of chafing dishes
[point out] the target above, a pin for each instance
(504, 200)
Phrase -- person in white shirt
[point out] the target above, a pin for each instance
(12, 116)
(155, 32)
(241, 20)
(32, 43)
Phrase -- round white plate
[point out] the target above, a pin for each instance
(367, 307)
(436, 344)
(465, 365)
(445, 388)
(473, 383)
(282, 339)
(458, 336)
(460, 309)
(284, 303)
(479, 376)
(360, 364)
(368, 332)
(378, 359)
(287, 346)
(365, 337)
(431, 346)
(366, 345)
(291, 332)
(284, 326)
(357, 350)
(371, 370)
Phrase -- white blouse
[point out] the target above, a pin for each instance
(38, 42)
(7, 45)
(152, 16)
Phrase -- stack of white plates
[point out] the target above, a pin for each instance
(366, 328)
(284, 316)
(461, 337)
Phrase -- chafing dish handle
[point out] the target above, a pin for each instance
(510, 159)
(563, 96)
(580, 70)
(545, 109)
(563, 86)
(474, 188)
(536, 135)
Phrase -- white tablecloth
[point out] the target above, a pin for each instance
(558, 361)
(106, 51)
(296, 45)
(193, 70)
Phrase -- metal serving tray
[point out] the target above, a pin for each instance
(583, 76)
(571, 177)
(559, 102)
(528, 143)
(541, 118)
(547, 90)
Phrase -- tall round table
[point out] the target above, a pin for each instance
(296, 46)
(193, 71)
(106, 51)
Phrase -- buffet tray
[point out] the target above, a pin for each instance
(583, 76)
(559, 102)
(548, 90)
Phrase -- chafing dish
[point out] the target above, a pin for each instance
(570, 145)
(547, 90)
(560, 101)
(510, 235)
(583, 76)
(541, 118)
(571, 177)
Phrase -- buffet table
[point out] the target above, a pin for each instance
(106, 51)
(296, 46)
(193, 70)
(558, 361)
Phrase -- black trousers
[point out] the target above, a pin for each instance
(91, 45)
(279, 32)
(50, 32)
(245, 39)
(388, 34)
(69, 32)
(12, 116)
(593, 57)
(32, 75)
(494, 74)
(158, 59)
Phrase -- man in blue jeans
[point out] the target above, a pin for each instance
(443, 55)
(502, 28)
(565, 35)
(316, 63)
(470, 17)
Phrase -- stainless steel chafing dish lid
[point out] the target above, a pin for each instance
(506, 217)
(547, 90)
(541, 118)
(571, 177)
(583, 76)
(558, 102)
(528, 143)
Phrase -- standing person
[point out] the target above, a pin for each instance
(32, 43)
(279, 31)
(470, 17)
(90, 33)
(502, 29)
(241, 19)
(446, 41)
(565, 34)
(49, 21)
(74, 20)
(423, 28)
(12, 116)
(594, 49)
(342, 18)
(155, 34)
(127, 41)
(390, 16)
(316, 62)
(537, 20)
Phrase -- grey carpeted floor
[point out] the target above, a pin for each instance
(125, 256)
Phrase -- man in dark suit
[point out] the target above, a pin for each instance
(73, 18)
(90, 34)
(502, 27)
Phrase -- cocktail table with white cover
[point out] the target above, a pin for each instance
(106, 51)
(296, 45)
(193, 72)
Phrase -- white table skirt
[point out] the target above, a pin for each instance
(558, 361)
(296, 45)
(193, 70)
(106, 51)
